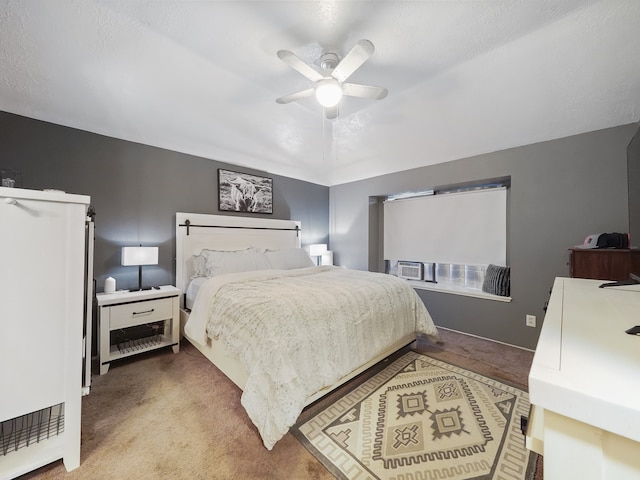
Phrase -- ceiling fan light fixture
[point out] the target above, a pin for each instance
(328, 92)
(330, 84)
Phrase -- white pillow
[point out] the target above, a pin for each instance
(199, 263)
(289, 258)
(221, 262)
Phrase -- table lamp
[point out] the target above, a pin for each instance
(139, 256)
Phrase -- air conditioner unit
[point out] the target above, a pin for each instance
(410, 270)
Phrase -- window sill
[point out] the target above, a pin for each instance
(467, 292)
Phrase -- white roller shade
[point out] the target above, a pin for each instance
(468, 228)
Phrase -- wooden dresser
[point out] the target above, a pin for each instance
(604, 263)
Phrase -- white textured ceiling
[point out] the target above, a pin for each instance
(464, 77)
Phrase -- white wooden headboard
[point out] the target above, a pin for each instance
(195, 231)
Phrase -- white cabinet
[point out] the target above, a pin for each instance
(136, 322)
(584, 383)
(42, 309)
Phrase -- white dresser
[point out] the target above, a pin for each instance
(584, 384)
(42, 312)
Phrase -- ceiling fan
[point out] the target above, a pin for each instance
(330, 84)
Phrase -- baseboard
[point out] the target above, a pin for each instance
(485, 338)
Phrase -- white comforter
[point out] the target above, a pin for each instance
(298, 331)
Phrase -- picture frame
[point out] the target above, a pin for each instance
(242, 192)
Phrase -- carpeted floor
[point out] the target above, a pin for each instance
(167, 416)
(421, 417)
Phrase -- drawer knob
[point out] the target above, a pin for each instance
(145, 312)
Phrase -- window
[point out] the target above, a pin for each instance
(460, 231)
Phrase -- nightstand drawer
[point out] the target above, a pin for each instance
(140, 312)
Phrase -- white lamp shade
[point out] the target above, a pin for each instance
(328, 92)
(317, 249)
(139, 256)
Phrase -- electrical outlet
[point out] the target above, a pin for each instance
(531, 320)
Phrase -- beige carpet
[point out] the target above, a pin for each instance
(419, 417)
(166, 416)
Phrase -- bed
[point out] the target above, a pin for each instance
(283, 330)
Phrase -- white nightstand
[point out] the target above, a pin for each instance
(134, 322)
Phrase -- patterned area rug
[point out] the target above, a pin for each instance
(422, 419)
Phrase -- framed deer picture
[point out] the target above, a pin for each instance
(241, 192)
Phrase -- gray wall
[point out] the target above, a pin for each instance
(136, 191)
(561, 191)
(633, 165)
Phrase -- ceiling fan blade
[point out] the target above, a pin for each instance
(364, 91)
(352, 60)
(331, 112)
(297, 64)
(295, 96)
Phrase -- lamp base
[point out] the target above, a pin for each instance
(140, 289)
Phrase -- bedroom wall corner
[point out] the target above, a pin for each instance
(561, 191)
(633, 167)
(137, 190)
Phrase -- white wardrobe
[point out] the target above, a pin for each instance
(46, 262)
